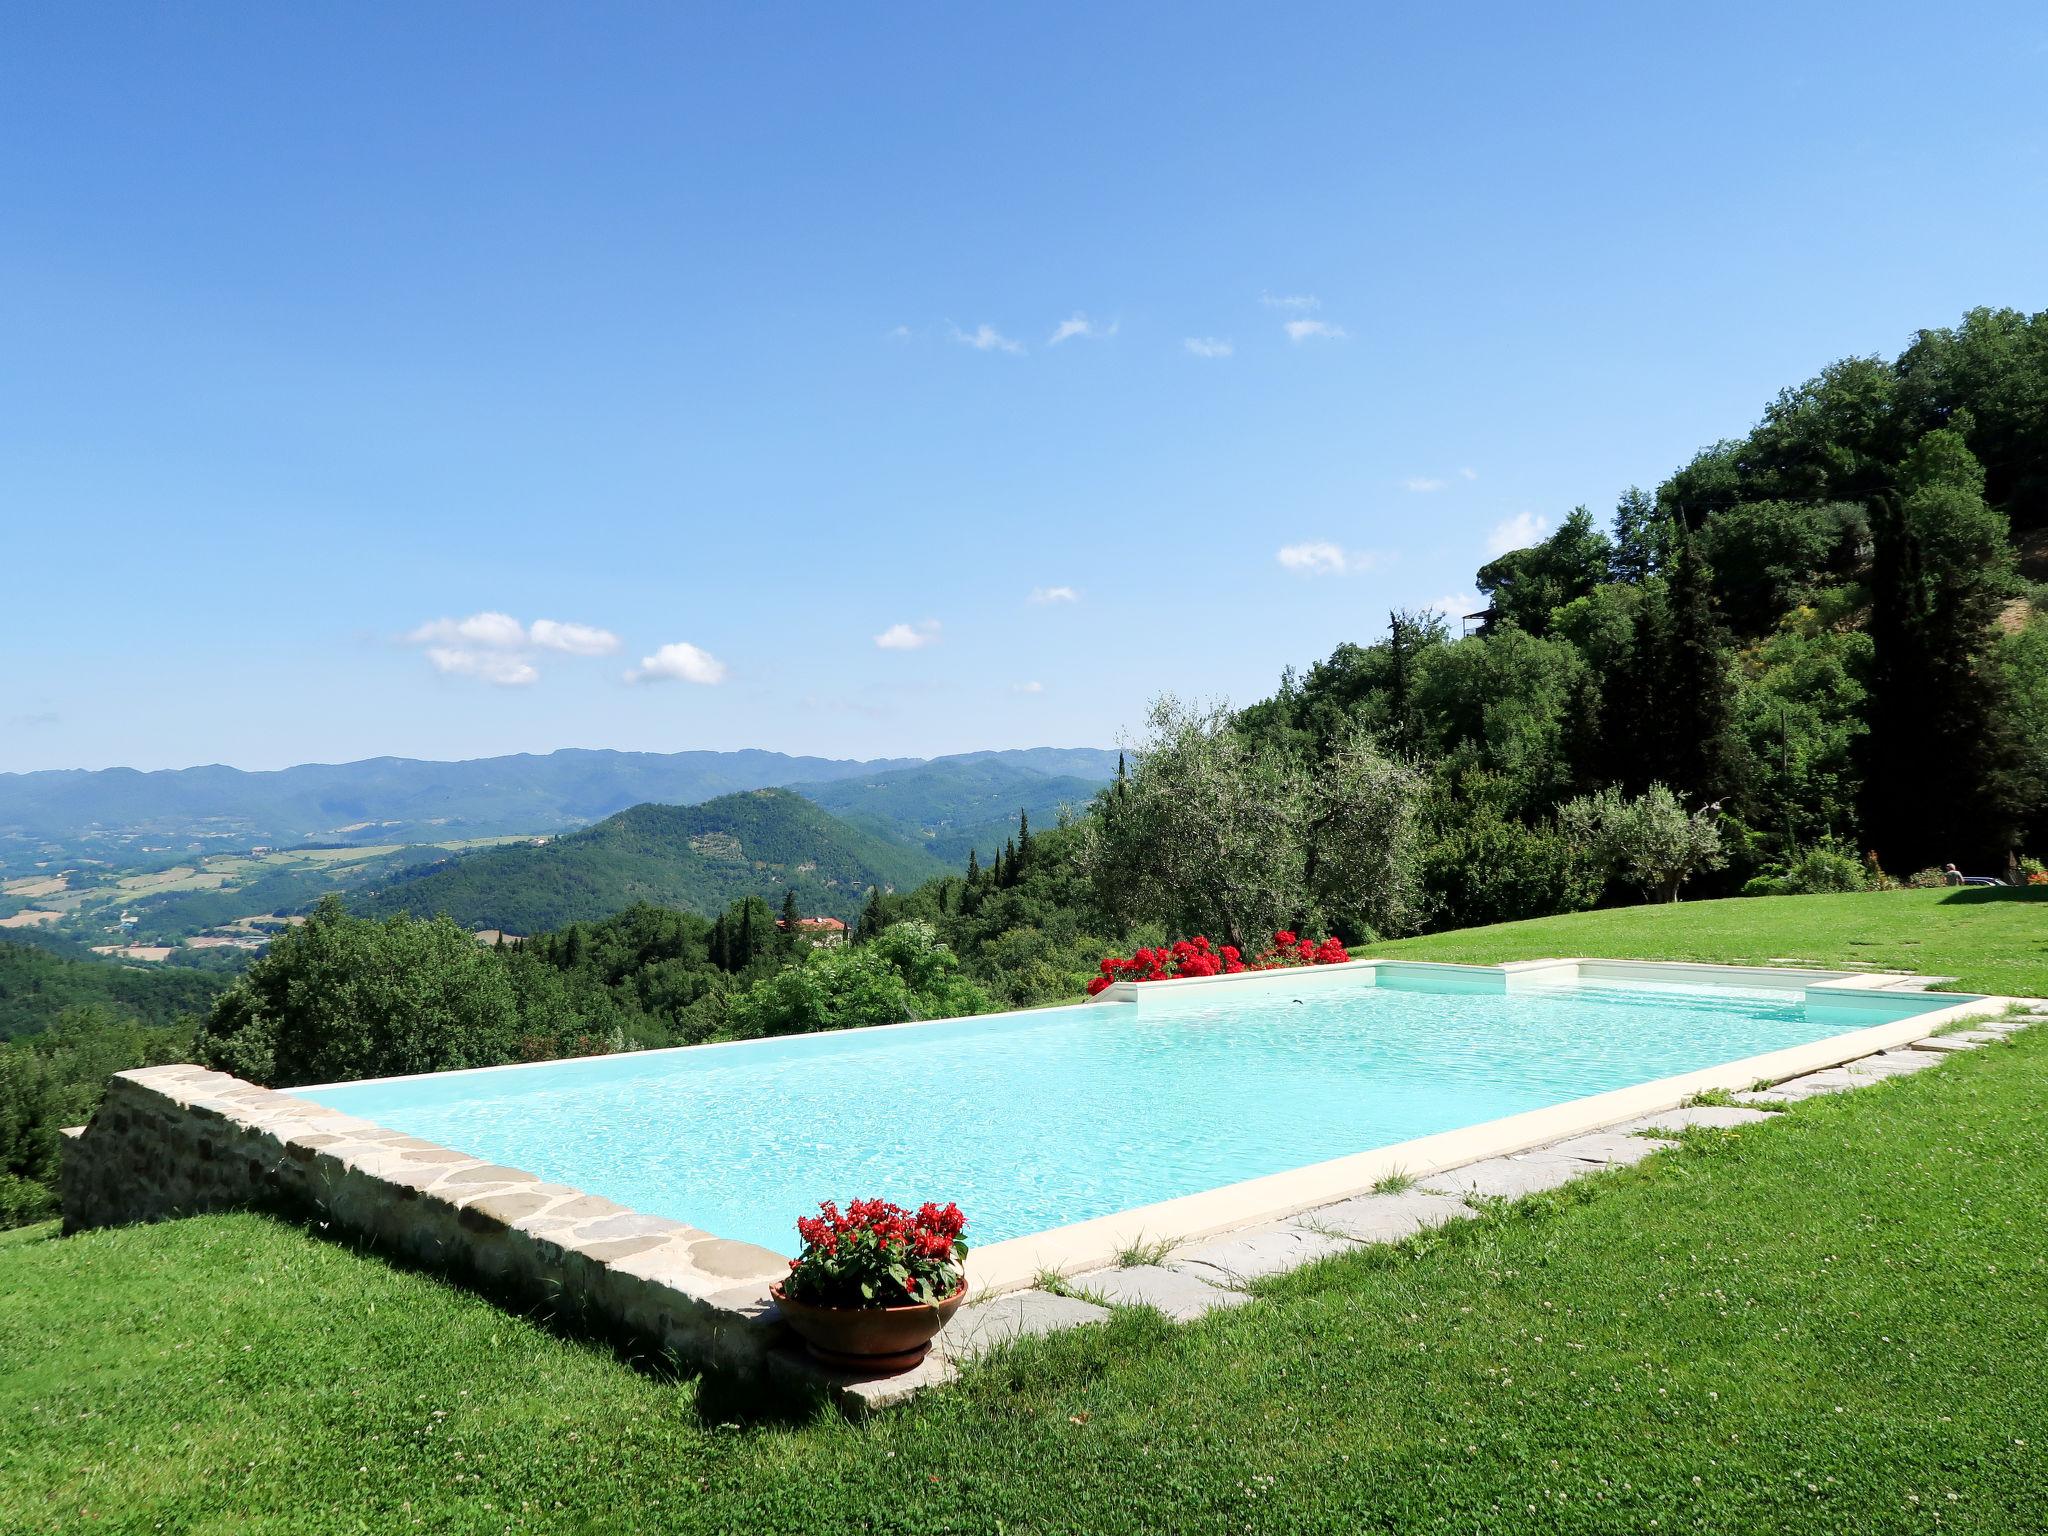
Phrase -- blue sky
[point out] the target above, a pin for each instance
(325, 329)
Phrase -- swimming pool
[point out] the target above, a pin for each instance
(1036, 1120)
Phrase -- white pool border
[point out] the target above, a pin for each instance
(1018, 1262)
(1086, 1245)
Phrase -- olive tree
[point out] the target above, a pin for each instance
(1651, 839)
(1219, 831)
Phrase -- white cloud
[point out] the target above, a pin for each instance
(1455, 605)
(986, 338)
(1517, 532)
(1054, 595)
(908, 637)
(1319, 557)
(1423, 484)
(1305, 330)
(1080, 325)
(679, 662)
(1208, 346)
(1468, 474)
(898, 333)
(499, 631)
(1027, 687)
(1299, 303)
(502, 668)
(573, 639)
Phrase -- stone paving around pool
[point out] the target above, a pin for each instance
(1191, 1281)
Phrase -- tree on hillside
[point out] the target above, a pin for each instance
(1650, 839)
(344, 997)
(1639, 529)
(1525, 585)
(790, 933)
(1223, 832)
(1695, 684)
(1940, 764)
(904, 973)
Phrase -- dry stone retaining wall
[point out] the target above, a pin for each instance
(171, 1141)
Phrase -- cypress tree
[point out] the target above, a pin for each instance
(1023, 841)
(995, 873)
(973, 869)
(719, 946)
(745, 956)
(1009, 877)
(1696, 691)
(791, 929)
(1938, 756)
(871, 914)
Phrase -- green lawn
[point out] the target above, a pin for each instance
(1990, 940)
(1829, 1323)
(1833, 1322)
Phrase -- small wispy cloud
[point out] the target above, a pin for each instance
(498, 649)
(1319, 557)
(679, 662)
(502, 669)
(1517, 532)
(1027, 687)
(1455, 605)
(497, 630)
(1079, 325)
(573, 639)
(899, 333)
(1298, 303)
(1468, 474)
(1208, 346)
(1313, 330)
(1423, 484)
(1054, 595)
(986, 338)
(909, 637)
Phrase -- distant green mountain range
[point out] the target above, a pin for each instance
(699, 857)
(947, 807)
(119, 814)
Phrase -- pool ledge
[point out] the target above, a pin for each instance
(180, 1140)
(1086, 1245)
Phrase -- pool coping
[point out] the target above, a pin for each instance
(1085, 1245)
(180, 1139)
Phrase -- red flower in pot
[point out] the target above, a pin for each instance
(875, 1283)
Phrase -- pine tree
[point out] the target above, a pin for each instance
(1639, 538)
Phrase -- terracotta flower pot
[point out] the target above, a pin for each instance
(880, 1340)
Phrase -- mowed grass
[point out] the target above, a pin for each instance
(1832, 1322)
(1990, 940)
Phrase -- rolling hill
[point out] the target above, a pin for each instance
(949, 806)
(118, 814)
(700, 857)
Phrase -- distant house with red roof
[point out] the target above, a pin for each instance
(823, 932)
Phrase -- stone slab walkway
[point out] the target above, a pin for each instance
(1212, 1273)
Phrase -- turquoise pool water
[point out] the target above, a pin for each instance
(1035, 1120)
